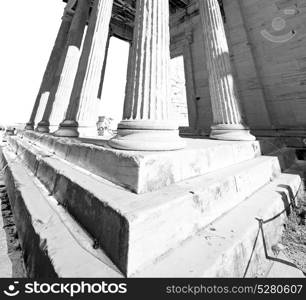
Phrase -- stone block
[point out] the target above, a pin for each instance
(233, 245)
(130, 225)
(54, 245)
(143, 172)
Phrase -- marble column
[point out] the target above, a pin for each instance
(82, 113)
(66, 72)
(228, 117)
(52, 65)
(146, 123)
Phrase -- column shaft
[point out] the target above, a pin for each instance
(66, 72)
(146, 124)
(228, 118)
(82, 112)
(53, 63)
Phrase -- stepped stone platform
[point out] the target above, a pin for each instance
(233, 245)
(147, 233)
(143, 172)
(54, 245)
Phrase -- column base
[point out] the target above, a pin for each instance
(147, 140)
(67, 128)
(29, 126)
(43, 127)
(231, 133)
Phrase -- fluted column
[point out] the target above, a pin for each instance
(228, 118)
(82, 112)
(66, 72)
(52, 65)
(146, 124)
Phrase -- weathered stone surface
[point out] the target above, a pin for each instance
(53, 243)
(148, 171)
(151, 218)
(225, 248)
(132, 225)
(281, 69)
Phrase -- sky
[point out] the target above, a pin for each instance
(28, 30)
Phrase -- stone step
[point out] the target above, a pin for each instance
(54, 245)
(233, 245)
(132, 225)
(143, 172)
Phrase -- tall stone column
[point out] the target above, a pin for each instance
(53, 62)
(146, 124)
(66, 72)
(82, 112)
(228, 118)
